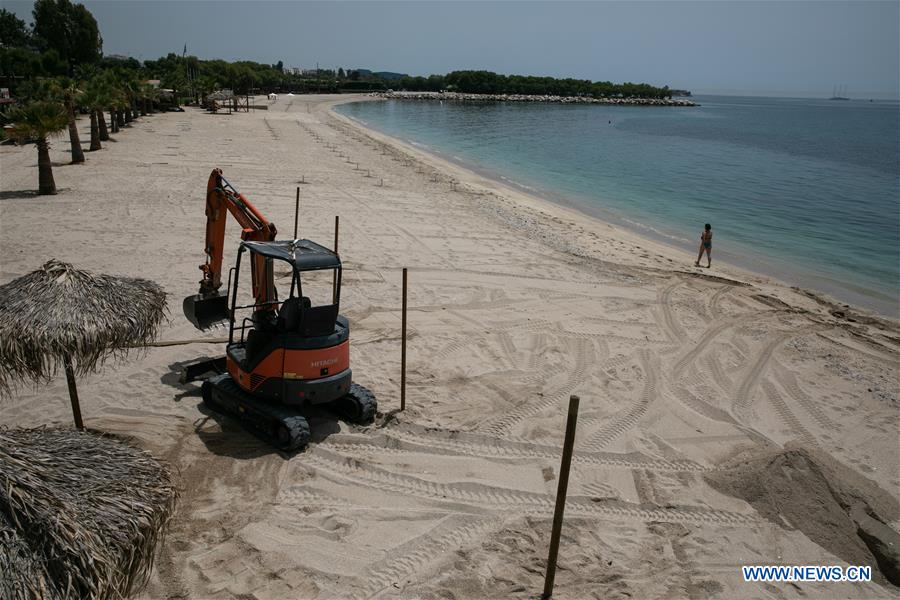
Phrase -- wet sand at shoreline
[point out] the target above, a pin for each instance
(515, 304)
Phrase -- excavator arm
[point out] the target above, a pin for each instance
(210, 305)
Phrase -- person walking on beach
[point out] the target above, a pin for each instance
(705, 244)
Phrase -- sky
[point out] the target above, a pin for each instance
(800, 48)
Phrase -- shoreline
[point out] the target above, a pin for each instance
(535, 199)
(514, 305)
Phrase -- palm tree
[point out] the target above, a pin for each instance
(119, 98)
(105, 91)
(68, 91)
(114, 116)
(120, 102)
(101, 121)
(149, 95)
(38, 121)
(130, 86)
(95, 100)
(114, 98)
(206, 85)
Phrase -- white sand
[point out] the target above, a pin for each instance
(515, 304)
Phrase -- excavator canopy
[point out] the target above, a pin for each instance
(303, 255)
(206, 311)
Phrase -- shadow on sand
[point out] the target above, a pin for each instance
(230, 438)
(19, 194)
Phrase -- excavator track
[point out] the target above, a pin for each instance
(276, 424)
(358, 406)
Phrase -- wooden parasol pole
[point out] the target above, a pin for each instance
(73, 392)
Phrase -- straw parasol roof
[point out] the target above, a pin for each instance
(80, 514)
(61, 316)
(221, 95)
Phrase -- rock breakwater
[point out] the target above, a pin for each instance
(460, 97)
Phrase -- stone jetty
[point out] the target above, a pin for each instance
(460, 97)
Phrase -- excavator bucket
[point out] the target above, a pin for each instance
(206, 311)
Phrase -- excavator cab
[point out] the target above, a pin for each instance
(289, 350)
(285, 356)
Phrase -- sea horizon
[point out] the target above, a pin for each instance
(831, 196)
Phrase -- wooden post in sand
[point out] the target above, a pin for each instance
(337, 228)
(561, 496)
(296, 212)
(403, 349)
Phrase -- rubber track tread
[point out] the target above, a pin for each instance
(297, 425)
(366, 399)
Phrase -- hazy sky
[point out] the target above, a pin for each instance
(778, 48)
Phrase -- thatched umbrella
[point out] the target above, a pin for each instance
(80, 514)
(61, 316)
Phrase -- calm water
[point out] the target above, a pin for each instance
(807, 190)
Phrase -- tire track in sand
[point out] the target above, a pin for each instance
(788, 382)
(426, 551)
(787, 417)
(744, 397)
(718, 375)
(405, 441)
(703, 408)
(583, 357)
(714, 309)
(713, 413)
(476, 339)
(669, 323)
(484, 497)
(708, 336)
(599, 489)
(631, 417)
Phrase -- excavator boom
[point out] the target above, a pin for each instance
(209, 307)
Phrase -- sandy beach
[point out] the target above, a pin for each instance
(726, 419)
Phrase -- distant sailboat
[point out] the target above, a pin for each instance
(839, 93)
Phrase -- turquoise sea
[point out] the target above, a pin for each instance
(805, 190)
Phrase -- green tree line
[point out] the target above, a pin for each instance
(487, 82)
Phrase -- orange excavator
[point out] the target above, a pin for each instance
(283, 356)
